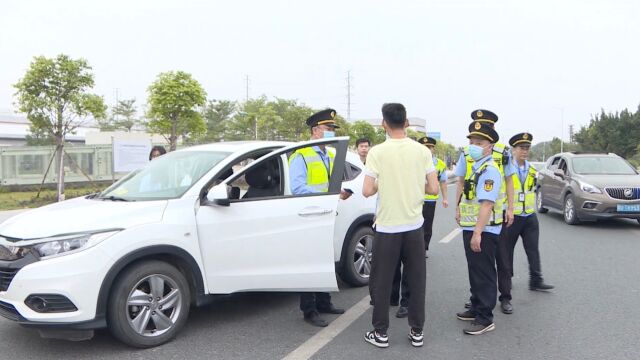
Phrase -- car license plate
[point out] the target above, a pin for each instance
(629, 208)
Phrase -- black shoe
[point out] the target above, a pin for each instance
(402, 312)
(540, 286)
(467, 305)
(331, 310)
(506, 307)
(376, 339)
(466, 316)
(371, 302)
(416, 337)
(478, 329)
(315, 320)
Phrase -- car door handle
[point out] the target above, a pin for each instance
(314, 211)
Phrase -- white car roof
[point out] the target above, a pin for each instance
(237, 146)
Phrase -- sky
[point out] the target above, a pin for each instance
(537, 64)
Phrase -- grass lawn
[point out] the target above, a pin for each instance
(27, 199)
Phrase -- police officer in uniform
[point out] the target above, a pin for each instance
(525, 225)
(400, 294)
(501, 156)
(310, 170)
(481, 218)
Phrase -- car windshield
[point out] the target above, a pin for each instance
(167, 177)
(602, 165)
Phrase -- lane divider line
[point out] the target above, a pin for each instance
(455, 232)
(310, 347)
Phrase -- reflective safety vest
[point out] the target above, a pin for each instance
(440, 168)
(469, 205)
(501, 158)
(317, 174)
(525, 200)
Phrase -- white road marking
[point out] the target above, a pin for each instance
(322, 338)
(326, 335)
(455, 232)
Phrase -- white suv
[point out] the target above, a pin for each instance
(207, 220)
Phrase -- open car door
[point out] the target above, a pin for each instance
(268, 239)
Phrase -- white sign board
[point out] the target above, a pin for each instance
(129, 155)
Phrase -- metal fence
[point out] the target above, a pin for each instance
(26, 165)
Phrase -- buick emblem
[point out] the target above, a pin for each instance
(628, 193)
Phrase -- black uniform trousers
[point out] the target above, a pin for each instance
(310, 302)
(400, 294)
(528, 228)
(388, 250)
(482, 275)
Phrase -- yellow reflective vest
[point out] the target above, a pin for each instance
(525, 194)
(500, 158)
(440, 168)
(469, 205)
(317, 174)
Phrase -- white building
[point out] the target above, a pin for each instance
(15, 128)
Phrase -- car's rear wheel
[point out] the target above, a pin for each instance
(356, 266)
(148, 304)
(539, 207)
(570, 211)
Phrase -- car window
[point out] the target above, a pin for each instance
(238, 188)
(563, 166)
(554, 163)
(351, 171)
(602, 165)
(166, 177)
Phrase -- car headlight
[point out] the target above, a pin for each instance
(589, 188)
(55, 246)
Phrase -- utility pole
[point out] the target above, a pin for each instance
(246, 78)
(349, 95)
(571, 133)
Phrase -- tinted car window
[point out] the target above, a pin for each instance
(554, 163)
(602, 165)
(350, 171)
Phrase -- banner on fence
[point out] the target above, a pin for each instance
(129, 155)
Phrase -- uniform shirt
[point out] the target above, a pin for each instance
(521, 173)
(461, 167)
(401, 167)
(298, 172)
(443, 177)
(491, 174)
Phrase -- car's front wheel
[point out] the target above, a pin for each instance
(570, 211)
(356, 264)
(539, 207)
(148, 304)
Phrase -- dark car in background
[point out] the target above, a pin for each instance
(588, 187)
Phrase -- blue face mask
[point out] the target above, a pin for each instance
(328, 134)
(476, 152)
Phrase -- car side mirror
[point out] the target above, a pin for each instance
(559, 173)
(218, 195)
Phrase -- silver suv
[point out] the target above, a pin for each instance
(589, 186)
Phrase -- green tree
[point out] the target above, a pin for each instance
(218, 114)
(123, 117)
(362, 129)
(173, 101)
(293, 115)
(613, 132)
(55, 95)
(124, 114)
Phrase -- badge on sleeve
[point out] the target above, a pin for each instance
(488, 185)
